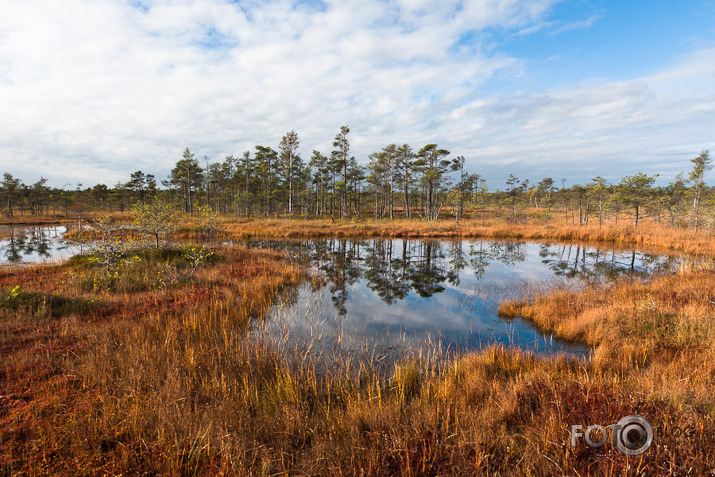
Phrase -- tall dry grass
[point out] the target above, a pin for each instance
(150, 378)
(655, 326)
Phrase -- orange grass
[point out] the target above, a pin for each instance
(53, 219)
(145, 378)
(649, 235)
(35, 219)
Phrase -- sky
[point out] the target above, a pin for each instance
(93, 90)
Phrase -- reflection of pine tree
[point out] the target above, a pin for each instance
(27, 242)
(342, 269)
(478, 259)
(574, 261)
(427, 274)
(508, 253)
(457, 261)
(385, 275)
(13, 250)
(393, 268)
(42, 243)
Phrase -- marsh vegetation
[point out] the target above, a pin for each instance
(164, 370)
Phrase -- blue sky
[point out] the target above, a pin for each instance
(93, 90)
(610, 41)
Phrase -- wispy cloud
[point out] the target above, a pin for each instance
(587, 23)
(555, 27)
(609, 129)
(530, 30)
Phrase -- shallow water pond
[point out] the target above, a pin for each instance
(398, 293)
(25, 244)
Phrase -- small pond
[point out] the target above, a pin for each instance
(396, 293)
(24, 244)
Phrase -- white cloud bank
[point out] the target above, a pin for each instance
(92, 90)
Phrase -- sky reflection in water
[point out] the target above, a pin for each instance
(396, 293)
(34, 244)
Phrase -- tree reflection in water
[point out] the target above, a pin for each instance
(595, 264)
(412, 287)
(33, 244)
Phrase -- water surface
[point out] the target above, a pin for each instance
(396, 293)
(25, 244)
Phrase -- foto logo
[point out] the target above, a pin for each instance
(632, 435)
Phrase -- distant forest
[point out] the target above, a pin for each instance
(397, 182)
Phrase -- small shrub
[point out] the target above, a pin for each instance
(44, 305)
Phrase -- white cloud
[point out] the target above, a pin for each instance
(93, 90)
(587, 23)
(654, 123)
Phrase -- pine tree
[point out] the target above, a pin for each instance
(289, 146)
(340, 160)
(405, 166)
(635, 191)
(10, 185)
(433, 166)
(188, 175)
(701, 165)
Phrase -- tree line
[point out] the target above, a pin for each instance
(397, 181)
